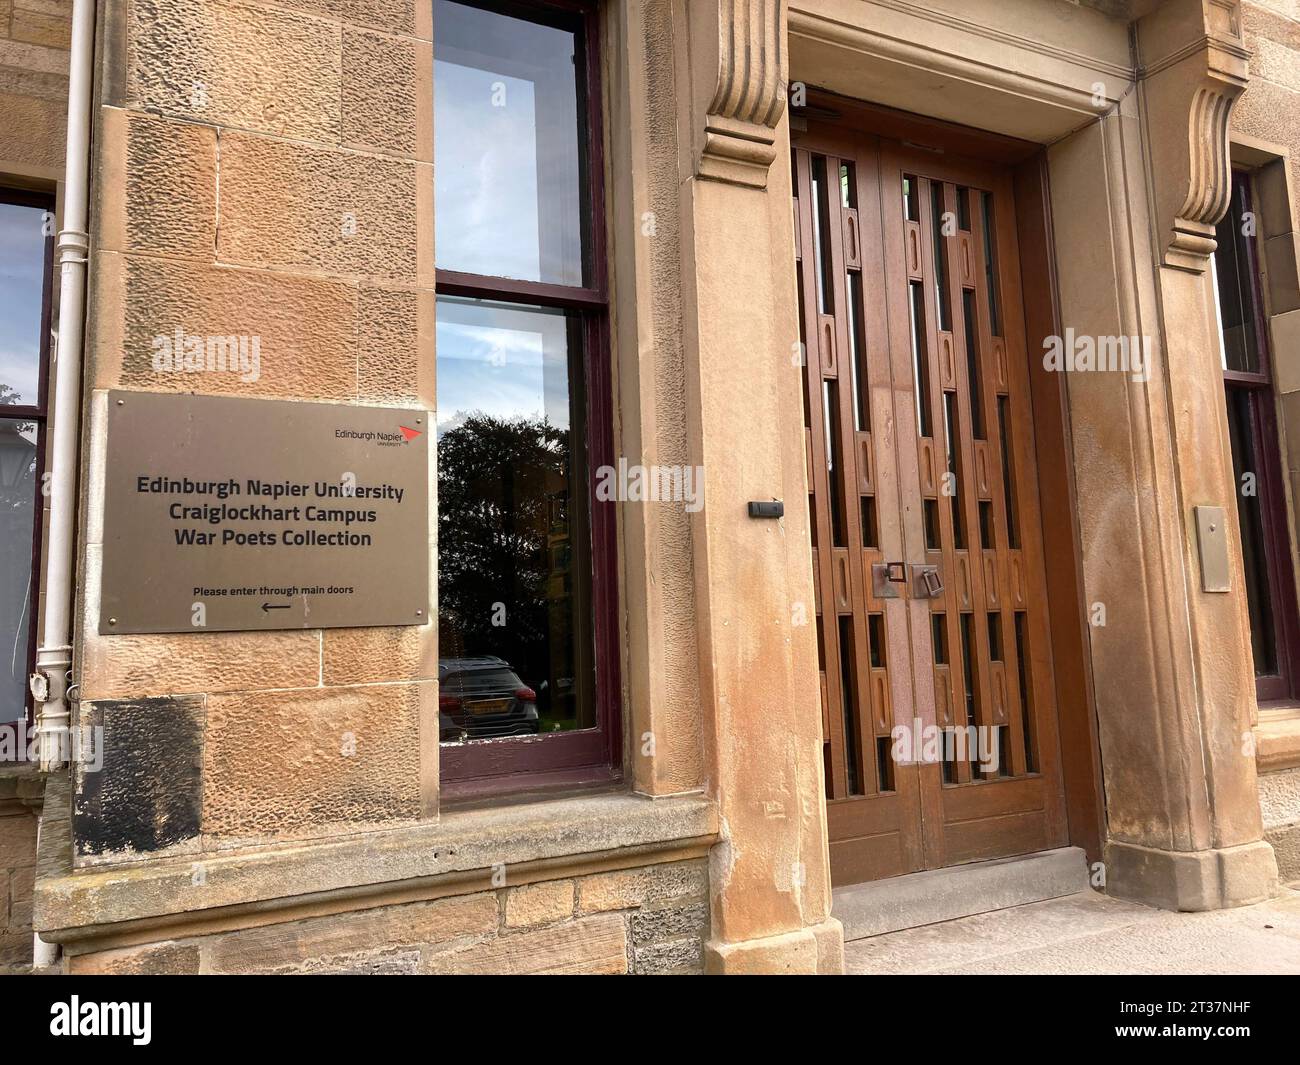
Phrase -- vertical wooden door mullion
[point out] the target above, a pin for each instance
(845, 482)
(907, 265)
(893, 468)
(995, 384)
(823, 555)
(976, 647)
(941, 357)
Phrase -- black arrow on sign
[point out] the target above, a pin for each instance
(267, 607)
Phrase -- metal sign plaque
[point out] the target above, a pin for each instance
(232, 514)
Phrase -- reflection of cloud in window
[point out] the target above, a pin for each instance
(502, 372)
(487, 179)
(22, 261)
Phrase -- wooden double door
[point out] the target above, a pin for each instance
(937, 691)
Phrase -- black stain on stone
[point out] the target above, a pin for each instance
(147, 793)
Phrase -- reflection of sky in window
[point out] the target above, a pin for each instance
(22, 263)
(501, 361)
(486, 178)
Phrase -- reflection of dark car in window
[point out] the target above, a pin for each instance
(482, 698)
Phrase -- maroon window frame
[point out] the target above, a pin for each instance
(39, 414)
(1252, 418)
(589, 756)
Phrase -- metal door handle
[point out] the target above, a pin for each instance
(884, 577)
(927, 582)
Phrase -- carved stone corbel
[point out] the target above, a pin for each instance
(738, 87)
(1193, 69)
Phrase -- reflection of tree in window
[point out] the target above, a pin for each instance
(502, 538)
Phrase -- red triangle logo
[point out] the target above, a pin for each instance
(410, 434)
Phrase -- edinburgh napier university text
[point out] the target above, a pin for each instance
(221, 512)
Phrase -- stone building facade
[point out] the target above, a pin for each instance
(814, 249)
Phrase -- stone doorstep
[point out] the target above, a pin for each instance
(878, 907)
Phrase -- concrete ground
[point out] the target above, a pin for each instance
(1091, 933)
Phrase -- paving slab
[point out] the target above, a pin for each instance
(1090, 933)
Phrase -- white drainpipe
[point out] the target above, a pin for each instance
(54, 658)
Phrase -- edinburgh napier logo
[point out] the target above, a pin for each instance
(404, 435)
(74, 1017)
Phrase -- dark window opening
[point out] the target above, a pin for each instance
(920, 357)
(831, 399)
(1026, 697)
(849, 698)
(939, 638)
(937, 227)
(931, 515)
(869, 538)
(974, 380)
(953, 480)
(857, 354)
(821, 236)
(995, 637)
(876, 634)
(991, 265)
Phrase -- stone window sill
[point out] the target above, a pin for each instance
(21, 787)
(1277, 737)
(454, 855)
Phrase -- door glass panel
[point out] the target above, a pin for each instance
(991, 264)
(1008, 485)
(920, 356)
(953, 489)
(857, 353)
(1026, 694)
(513, 541)
(508, 164)
(975, 381)
(869, 538)
(821, 236)
(940, 263)
(849, 693)
(831, 410)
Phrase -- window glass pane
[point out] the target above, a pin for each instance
(1259, 600)
(1232, 265)
(508, 165)
(17, 515)
(22, 273)
(513, 535)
